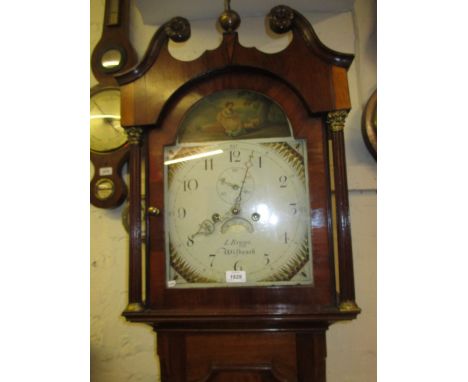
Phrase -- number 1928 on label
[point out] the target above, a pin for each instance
(236, 277)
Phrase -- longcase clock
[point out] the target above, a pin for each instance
(241, 280)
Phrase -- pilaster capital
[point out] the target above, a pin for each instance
(134, 135)
(336, 120)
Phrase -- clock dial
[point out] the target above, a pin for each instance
(105, 130)
(237, 214)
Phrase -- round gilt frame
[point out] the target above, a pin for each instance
(369, 124)
(95, 90)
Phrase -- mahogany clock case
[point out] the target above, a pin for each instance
(308, 81)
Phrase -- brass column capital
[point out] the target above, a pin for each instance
(134, 135)
(336, 120)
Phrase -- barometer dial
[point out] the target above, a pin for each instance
(106, 133)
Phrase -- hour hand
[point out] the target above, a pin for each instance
(205, 228)
(232, 185)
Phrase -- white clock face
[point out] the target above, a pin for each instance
(237, 213)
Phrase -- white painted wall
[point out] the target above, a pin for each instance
(123, 352)
(158, 12)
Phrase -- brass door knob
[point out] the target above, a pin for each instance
(153, 211)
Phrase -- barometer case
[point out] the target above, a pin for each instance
(108, 140)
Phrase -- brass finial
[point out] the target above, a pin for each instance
(229, 19)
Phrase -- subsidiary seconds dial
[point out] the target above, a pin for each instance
(237, 214)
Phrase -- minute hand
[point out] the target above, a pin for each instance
(237, 203)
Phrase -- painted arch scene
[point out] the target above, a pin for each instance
(234, 114)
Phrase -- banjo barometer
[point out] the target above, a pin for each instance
(241, 272)
(108, 140)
